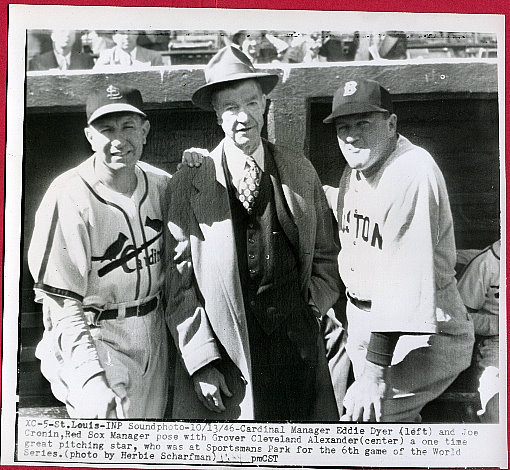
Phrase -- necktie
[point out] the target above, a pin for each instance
(249, 184)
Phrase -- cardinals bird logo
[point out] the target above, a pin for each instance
(113, 250)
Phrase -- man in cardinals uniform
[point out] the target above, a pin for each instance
(408, 332)
(96, 258)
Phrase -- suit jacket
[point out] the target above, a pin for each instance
(48, 61)
(142, 57)
(205, 310)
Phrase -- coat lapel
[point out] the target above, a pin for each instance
(297, 188)
(211, 206)
(282, 208)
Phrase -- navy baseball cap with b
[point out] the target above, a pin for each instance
(113, 99)
(359, 96)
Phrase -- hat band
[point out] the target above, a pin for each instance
(223, 73)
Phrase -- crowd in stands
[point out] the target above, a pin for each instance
(81, 50)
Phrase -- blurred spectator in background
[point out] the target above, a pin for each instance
(393, 45)
(62, 56)
(339, 47)
(154, 40)
(259, 46)
(302, 48)
(479, 288)
(249, 47)
(126, 52)
(34, 46)
(390, 45)
(95, 41)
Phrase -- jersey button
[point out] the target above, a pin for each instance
(354, 242)
(352, 269)
(251, 240)
(251, 256)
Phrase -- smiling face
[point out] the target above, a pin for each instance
(366, 139)
(240, 113)
(118, 139)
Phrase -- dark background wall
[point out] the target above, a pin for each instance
(455, 119)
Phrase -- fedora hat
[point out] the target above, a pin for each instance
(229, 65)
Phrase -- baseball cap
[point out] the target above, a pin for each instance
(113, 99)
(359, 96)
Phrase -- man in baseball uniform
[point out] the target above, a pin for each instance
(409, 335)
(479, 289)
(96, 258)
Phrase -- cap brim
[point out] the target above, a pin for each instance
(353, 108)
(114, 108)
(202, 97)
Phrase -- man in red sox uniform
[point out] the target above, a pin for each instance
(409, 335)
(96, 258)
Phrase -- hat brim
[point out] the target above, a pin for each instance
(354, 108)
(114, 108)
(202, 97)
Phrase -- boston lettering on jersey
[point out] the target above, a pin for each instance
(121, 255)
(362, 228)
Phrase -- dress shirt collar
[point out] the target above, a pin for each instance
(236, 159)
(63, 61)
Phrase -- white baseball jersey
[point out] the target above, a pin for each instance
(397, 243)
(479, 289)
(98, 248)
(398, 251)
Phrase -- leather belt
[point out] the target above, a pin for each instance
(365, 305)
(136, 311)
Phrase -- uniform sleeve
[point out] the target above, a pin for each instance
(72, 343)
(404, 290)
(59, 252)
(59, 262)
(473, 287)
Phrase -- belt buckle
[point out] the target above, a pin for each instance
(93, 316)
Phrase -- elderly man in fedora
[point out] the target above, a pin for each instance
(251, 266)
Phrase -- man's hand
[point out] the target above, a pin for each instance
(193, 157)
(364, 400)
(98, 400)
(209, 383)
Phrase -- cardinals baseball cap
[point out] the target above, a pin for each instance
(359, 96)
(113, 99)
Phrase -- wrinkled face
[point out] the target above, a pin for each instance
(63, 38)
(118, 139)
(125, 40)
(365, 139)
(240, 113)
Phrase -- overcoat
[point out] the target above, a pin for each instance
(48, 61)
(205, 310)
